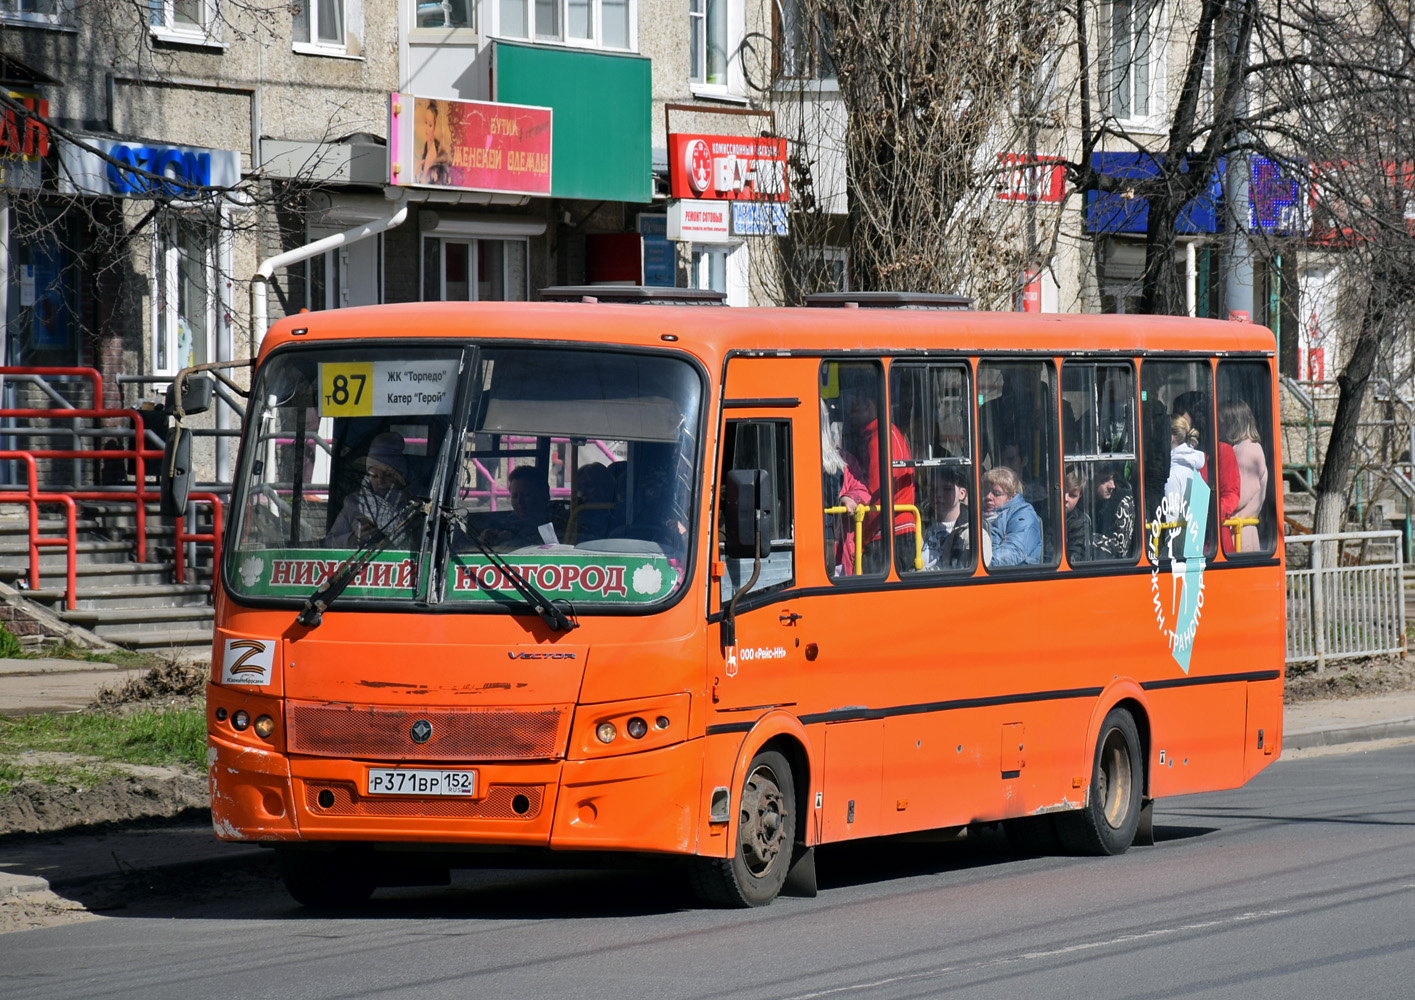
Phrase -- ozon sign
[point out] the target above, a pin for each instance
(135, 170)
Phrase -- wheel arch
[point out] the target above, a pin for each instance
(782, 732)
(1127, 694)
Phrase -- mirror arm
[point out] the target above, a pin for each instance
(729, 617)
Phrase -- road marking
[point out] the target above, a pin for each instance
(1027, 956)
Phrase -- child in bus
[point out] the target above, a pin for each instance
(1114, 514)
(1012, 524)
(947, 542)
(1238, 428)
(377, 505)
(1078, 522)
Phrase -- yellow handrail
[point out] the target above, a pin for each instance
(861, 510)
(1239, 523)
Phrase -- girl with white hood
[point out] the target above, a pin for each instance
(1186, 463)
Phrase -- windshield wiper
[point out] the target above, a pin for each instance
(557, 619)
(317, 603)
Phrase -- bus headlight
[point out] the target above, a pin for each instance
(605, 732)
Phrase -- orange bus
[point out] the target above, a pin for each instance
(563, 577)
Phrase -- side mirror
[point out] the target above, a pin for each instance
(174, 478)
(196, 394)
(746, 512)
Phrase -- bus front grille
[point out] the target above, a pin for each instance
(501, 802)
(456, 734)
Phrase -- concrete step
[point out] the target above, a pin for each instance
(154, 639)
(142, 618)
(137, 595)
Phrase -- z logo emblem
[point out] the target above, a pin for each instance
(248, 661)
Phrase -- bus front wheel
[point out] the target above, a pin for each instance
(766, 836)
(1106, 824)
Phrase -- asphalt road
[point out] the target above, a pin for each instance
(1301, 885)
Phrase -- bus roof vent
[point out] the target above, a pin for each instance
(638, 294)
(888, 300)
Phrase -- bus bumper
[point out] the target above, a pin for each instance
(636, 802)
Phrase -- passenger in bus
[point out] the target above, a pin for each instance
(845, 481)
(1114, 525)
(377, 504)
(1012, 523)
(1186, 463)
(593, 507)
(656, 514)
(530, 512)
(1078, 522)
(1238, 428)
(947, 542)
(1193, 405)
(864, 415)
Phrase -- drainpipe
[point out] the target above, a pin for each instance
(261, 279)
(260, 286)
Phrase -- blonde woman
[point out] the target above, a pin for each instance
(1237, 426)
(1012, 523)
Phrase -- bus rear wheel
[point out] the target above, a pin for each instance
(327, 880)
(1106, 824)
(766, 838)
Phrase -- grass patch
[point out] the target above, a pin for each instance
(100, 741)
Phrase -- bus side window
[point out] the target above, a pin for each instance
(1247, 492)
(1177, 421)
(851, 459)
(761, 444)
(1100, 460)
(1019, 491)
(931, 407)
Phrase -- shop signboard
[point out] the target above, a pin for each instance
(24, 142)
(754, 218)
(469, 145)
(1028, 178)
(126, 168)
(692, 221)
(726, 168)
(658, 251)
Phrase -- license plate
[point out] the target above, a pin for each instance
(420, 781)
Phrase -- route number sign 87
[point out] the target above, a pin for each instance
(346, 390)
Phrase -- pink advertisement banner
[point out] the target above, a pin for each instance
(469, 145)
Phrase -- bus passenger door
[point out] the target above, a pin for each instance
(760, 652)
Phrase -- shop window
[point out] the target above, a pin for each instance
(184, 294)
(329, 27)
(474, 270)
(602, 23)
(42, 320)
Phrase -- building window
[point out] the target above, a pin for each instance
(184, 294)
(602, 23)
(474, 270)
(182, 17)
(331, 27)
(802, 43)
(35, 11)
(1134, 63)
(444, 13)
(707, 41)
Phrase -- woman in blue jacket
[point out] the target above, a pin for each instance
(1012, 524)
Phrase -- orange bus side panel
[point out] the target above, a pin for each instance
(638, 802)
(1198, 738)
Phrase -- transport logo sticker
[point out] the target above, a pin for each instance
(248, 661)
(1178, 620)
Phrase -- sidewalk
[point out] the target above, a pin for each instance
(33, 864)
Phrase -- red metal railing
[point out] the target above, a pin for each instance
(137, 494)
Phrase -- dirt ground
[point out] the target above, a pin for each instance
(156, 792)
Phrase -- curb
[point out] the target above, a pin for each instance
(19, 885)
(1337, 735)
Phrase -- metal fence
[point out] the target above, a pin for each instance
(1346, 598)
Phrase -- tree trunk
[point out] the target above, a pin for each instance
(1341, 443)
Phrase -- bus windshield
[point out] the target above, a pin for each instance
(570, 468)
